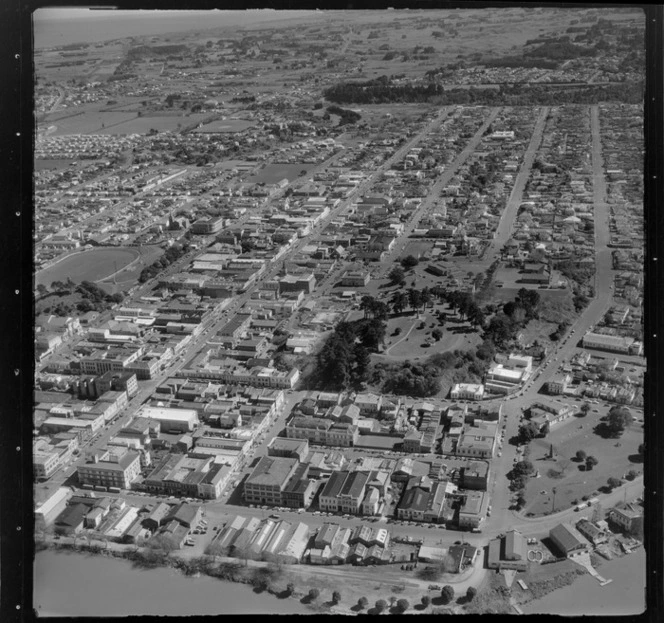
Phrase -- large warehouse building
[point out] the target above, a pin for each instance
(171, 420)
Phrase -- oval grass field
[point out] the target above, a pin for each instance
(91, 265)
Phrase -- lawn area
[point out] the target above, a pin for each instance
(615, 458)
(161, 123)
(92, 265)
(417, 248)
(273, 173)
(92, 122)
(226, 126)
(411, 343)
(128, 277)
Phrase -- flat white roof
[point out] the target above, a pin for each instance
(168, 413)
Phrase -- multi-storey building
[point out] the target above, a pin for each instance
(266, 483)
(114, 470)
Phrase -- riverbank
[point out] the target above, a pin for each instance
(77, 584)
(287, 583)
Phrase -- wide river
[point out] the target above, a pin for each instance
(73, 584)
(625, 595)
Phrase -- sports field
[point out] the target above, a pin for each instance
(274, 173)
(225, 126)
(91, 265)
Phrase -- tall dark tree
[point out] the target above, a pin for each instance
(399, 301)
(618, 419)
(362, 361)
(397, 275)
(425, 297)
(414, 298)
(447, 594)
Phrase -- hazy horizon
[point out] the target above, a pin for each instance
(55, 27)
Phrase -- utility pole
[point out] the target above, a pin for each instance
(553, 499)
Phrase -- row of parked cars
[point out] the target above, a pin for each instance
(201, 528)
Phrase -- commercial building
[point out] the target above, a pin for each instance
(467, 391)
(478, 440)
(322, 431)
(171, 420)
(291, 448)
(268, 480)
(612, 343)
(475, 476)
(189, 475)
(115, 469)
(45, 462)
(508, 552)
(473, 509)
(47, 511)
(558, 384)
(344, 492)
(207, 226)
(355, 278)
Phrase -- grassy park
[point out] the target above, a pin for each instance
(570, 477)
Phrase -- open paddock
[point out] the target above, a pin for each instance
(161, 123)
(91, 122)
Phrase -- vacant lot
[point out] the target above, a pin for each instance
(91, 265)
(615, 458)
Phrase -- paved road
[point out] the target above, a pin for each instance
(432, 194)
(592, 314)
(504, 230)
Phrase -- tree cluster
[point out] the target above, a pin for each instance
(515, 314)
(344, 358)
(516, 94)
(347, 117)
(93, 298)
(171, 255)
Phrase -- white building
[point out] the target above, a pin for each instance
(467, 391)
(178, 420)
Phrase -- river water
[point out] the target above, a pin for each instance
(74, 584)
(625, 595)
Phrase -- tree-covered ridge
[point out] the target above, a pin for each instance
(382, 92)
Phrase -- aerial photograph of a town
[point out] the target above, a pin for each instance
(339, 312)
